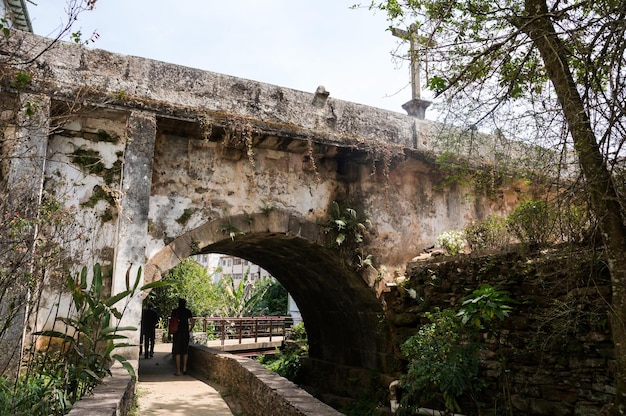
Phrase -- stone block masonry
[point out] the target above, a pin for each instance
(553, 356)
(259, 391)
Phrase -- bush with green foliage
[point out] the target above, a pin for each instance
(228, 298)
(273, 300)
(532, 223)
(188, 280)
(488, 234)
(484, 305)
(442, 362)
(451, 241)
(575, 222)
(443, 359)
(287, 361)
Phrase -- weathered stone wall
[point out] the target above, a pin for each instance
(553, 355)
(259, 391)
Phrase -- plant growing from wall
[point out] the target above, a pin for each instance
(347, 232)
(443, 364)
(345, 226)
(266, 209)
(185, 216)
(229, 228)
(484, 305)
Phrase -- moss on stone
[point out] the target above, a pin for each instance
(89, 160)
(185, 217)
(98, 194)
(107, 215)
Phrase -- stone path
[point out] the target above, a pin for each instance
(160, 392)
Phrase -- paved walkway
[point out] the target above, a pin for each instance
(160, 392)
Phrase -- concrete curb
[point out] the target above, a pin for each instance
(114, 397)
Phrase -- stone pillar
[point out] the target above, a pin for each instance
(24, 146)
(130, 252)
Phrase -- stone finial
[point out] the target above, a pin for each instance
(416, 108)
(320, 96)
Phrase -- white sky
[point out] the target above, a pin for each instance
(297, 44)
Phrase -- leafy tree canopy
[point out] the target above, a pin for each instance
(483, 59)
(227, 298)
(549, 71)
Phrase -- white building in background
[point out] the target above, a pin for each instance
(221, 265)
(16, 13)
(238, 268)
(210, 262)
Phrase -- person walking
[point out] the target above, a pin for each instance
(180, 347)
(149, 319)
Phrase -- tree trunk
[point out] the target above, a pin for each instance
(599, 181)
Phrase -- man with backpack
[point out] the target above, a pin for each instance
(181, 323)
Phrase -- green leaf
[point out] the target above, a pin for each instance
(83, 278)
(111, 337)
(55, 334)
(128, 278)
(137, 279)
(97, 279)
(127, 366)
(436, 84)
(114, 299)
(158, 283)
(119, 328)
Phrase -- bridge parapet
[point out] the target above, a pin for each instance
(187, 95)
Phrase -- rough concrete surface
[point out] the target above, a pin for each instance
(160, 392)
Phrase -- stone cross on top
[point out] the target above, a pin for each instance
(416, 107)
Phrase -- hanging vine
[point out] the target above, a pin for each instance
(311, 154)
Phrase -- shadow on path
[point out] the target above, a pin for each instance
(160, 392)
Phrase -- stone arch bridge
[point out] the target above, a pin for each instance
(160, 161)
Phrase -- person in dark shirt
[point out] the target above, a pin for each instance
(149, 319)
(180, 347)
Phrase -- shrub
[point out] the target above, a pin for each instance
(532, 223)
(36, 394)
(56, 378)
(287, 362)
(575, 223)
(92, 339)
(442, 360)
(451, 241)
(488, 234)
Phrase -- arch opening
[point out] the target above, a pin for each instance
(341, 312)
